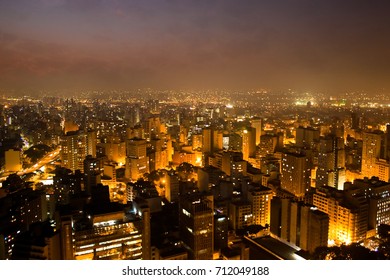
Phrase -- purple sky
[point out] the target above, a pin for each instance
(329, 45)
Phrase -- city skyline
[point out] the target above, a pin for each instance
(327, 46)
(194, 130)
(132, 177)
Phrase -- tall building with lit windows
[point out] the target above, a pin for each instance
(73, 151)
(377, 193)
(207, 138)
(114, 150)
(314, 229)
(217, 141)
(153, 127)
(93, 170)
(299, 223)
(197, 141)
(233, 165)
(248, 143)
(371, 153)
(295, 174)
(382, 167)
(260, 198)
(331, 162)
(136, 159)
(196, 222)
(240, 214)
(348, 215)
(306, 136)
(172, 186)
(257, 125)
(91, 143)
(221, 231)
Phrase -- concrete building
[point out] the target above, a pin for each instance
(331, 162)
(240, 214)
(295, 174)
(73, 151)
(256, 123)
(248, 143)
(196, 222)
(136, 160)
(260, 198)
(299, 224)
(348, 216)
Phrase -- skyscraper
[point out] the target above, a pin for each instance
(136, 160)
(260, 198)
(294, 177)
(256, 124)
(171, 186)
(73, 151)
(207, 137)
(306, 136)
(372, 143)
(348, 215)
(331, 162)
(91, 143)
(196, 221)
(314, 229)
(299, 223)
(248, 143)
(93, 169)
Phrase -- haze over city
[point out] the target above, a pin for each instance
(195, 130)
(328, 46)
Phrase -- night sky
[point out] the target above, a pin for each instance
(311, 45)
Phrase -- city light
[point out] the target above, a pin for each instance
(205, 131)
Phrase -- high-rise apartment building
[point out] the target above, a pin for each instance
(171, 186)
(91, 142)
(314, 229)
(73, 151)
(306, 136)
(197, 141)
(257, 125)
(299, 223)
(217, 140)
(371, 153)
(260, 198)
(93, 170)
(331, 162)
(377, 194)
(295, 174)
(248, 143)
(136, 160)
(196, 222)
(348, 215)
(207, 137)
(240, 214)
